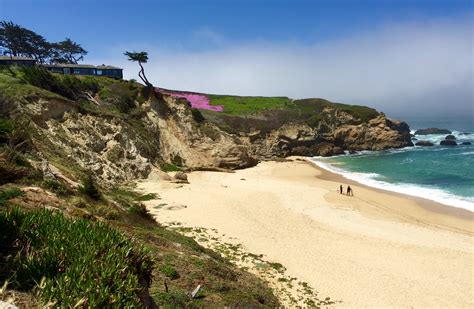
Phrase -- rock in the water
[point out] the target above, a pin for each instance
(181, 176)
(414, 139)
(466, 143)
(432, 131)
(424, 143)
(448, 142)
(450, 137)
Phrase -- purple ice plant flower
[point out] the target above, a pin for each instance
(198, 101)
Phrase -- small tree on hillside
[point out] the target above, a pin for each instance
(140, 57)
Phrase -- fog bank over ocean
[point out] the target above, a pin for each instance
(409, 68)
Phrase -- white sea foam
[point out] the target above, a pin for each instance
(437, 138)
(373, 180)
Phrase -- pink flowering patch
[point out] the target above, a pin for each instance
(198, 101)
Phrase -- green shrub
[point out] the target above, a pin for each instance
(169, 167)
(173, 299)
(9, 194)
(55, 186)
(67, 86)
(197, 115)
(90, 188)
(13, 165)
(16, 132)
(146, 197)
(124, 104)
(72, 261)
(169, 271)
(6, 127)
(141, 210)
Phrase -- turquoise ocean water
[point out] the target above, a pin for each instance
(441, 173)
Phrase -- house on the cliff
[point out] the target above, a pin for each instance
(85, 69)
(17, 60)
(66, 68)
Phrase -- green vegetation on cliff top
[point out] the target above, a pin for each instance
(244, 105)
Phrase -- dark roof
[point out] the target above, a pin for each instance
(83, 66)
(107, 67)
(68, 65)
(16, 58)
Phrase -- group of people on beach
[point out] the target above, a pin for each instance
(349, 191)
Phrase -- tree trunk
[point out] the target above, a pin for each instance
(142, 76)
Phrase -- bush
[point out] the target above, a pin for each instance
(197, 116)
(13, 165)
(141, 210)
(6, 105)
(6, 127)
(173, 299)
(169, 271)
(9, 194)
(16, 132)
(169, 167)
(90, 188)
(67, 86)
(55, 186)
(72, 261)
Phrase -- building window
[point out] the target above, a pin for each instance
(99, 72)
(77, 71)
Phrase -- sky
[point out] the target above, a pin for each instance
(410, 59)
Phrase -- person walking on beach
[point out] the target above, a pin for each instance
(349, 191)
(341, 189)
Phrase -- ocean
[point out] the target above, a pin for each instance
(444, 174)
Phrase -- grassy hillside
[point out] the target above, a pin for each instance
(308, 110)
(95, 246)
(247, 114)
(236, 105)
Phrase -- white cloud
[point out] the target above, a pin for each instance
(418, 67)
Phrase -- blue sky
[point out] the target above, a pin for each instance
(177, 24)
(379, 53)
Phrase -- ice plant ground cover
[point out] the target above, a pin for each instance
(199, 101)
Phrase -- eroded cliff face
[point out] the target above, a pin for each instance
(337, 131)
(188, 140)
(118, 148)
(121, 149)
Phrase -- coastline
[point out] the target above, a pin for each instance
(438, 195)
(365, 250)
(445, 216)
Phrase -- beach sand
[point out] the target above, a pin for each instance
(376, 249)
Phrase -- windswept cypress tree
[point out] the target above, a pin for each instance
(140, 57)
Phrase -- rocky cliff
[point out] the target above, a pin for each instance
(118, 131)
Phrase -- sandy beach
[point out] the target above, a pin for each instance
(376, 249)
